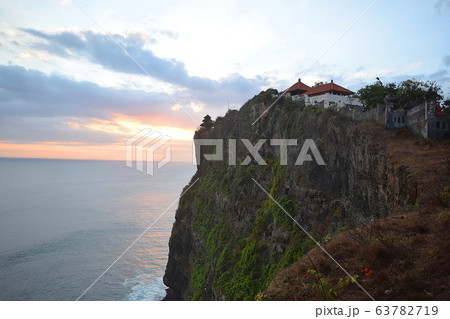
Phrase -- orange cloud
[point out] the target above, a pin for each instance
(128, 126)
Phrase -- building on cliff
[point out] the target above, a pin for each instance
(421, 120)
(328, 94)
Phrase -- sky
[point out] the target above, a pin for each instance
(79, 78)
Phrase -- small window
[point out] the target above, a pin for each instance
(403, 119)
(438, 124)
(444, 125)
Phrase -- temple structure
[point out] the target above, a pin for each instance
(328, 94)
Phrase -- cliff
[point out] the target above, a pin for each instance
(231, 241)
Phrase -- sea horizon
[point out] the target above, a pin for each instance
(84, 159)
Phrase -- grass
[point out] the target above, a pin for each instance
(391, 265)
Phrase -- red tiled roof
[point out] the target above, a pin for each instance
(298, 86)
(328, 88)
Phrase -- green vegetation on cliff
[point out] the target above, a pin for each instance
(236, 254)
(240, 266)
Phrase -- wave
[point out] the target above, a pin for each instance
(146, 287)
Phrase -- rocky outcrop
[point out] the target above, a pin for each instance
(230, 238)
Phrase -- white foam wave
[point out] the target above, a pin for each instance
(146, 287)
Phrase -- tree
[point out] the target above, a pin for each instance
(417, 92)
(267, 96)
(370, 95)
(446, 106)
(207, 122)
(408, 91)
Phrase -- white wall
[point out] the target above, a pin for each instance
(328, 97)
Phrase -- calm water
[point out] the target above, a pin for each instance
(63, 222)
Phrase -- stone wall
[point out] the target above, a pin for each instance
(416, 120)
(359, 113)
(395, 119)
(439, 126)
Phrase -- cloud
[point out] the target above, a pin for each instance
(39, 107)
(438, 75)
(100, 49)
(442, 5)
(61, 45)
(33, 93)
(20, 130)
(36, 107)
(446, 60)
(168, 34)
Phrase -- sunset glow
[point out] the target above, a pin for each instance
(181, 151)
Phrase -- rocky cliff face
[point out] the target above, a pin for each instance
(230, 238)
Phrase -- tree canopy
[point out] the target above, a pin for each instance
(207, 122)
(417, 91)
(370, 95)
(408, 91)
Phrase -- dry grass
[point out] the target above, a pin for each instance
(409, 261)
(408, 252)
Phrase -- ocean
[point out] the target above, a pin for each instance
(64, 222)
